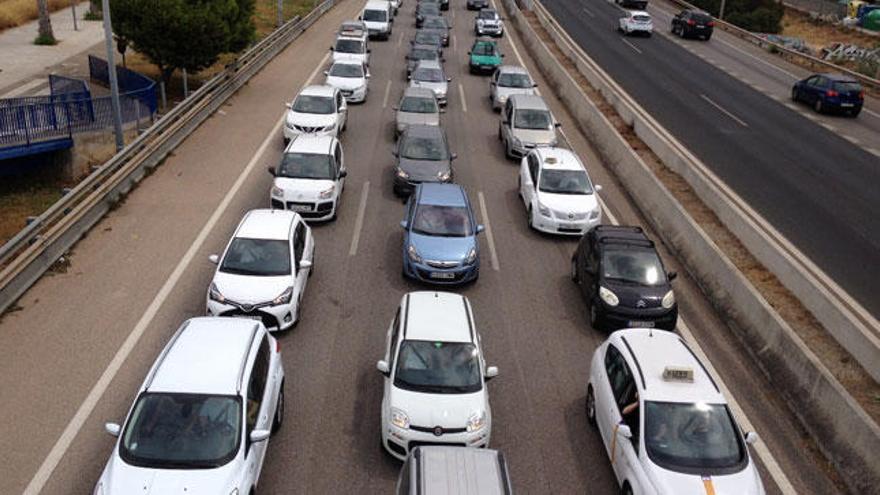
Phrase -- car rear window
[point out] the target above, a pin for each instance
(701, 18)
(847, 86)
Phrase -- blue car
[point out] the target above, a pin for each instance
(830, 92)
(440, 236)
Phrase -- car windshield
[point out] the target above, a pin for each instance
(444, 221)
(633, 265)
(322, 105)
(375, 16)
(532, 119)
(514, 80)
(434, 23)
(428, 75)
(414, 104)
(307, 166)
(349, 46)
(257, 257)
(642, 18)
(487, 14)
(424, 148)
(427, 38)
(438, 367)
(182, 431)
(347, 70)
(564, 182)
(847, 86)
(487, 49)
(692, 437)
(423, 54)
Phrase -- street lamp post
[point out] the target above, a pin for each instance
(114, 84)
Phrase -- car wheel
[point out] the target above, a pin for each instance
(279, 411)
(594, 316)
(519, 188)
(626, 489)
(529, 223)
(795, 96)
(819, 106)
(855, 113)
(707, 37)
(590, 406)
(574, 271)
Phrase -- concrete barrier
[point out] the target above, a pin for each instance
(847, 436)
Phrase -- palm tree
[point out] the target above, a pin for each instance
(45, 36)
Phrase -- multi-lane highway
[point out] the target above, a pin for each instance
(74, 353)
(815, 186)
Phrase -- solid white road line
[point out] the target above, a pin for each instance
(463, 102)
(359, 223)
(453, 42)
(387, 92)
(719, 107)
(489, 238)
(631, 45)
(85, 409)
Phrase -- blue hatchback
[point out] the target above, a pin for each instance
(830, 93)
(440, 236)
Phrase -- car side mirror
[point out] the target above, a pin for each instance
(305, 264)
(395, 107)
(326, 72)
(404, 224)
(367, 76)
(114, 429)
(331, 48)
(271, 171)
(369, 50)
(343, 173)
(502, 55)
(535, 85)
(624, 431)
(491, 372)
(672, 276)
(383, 368)
(751, 438)
(481, 228)
(598, 187)
(288, 106)
(257, 436)
(409, 77)
(360, 17)
(469, 52)
(448, 79)
(214, 259)
(558, 124)
(453, 155)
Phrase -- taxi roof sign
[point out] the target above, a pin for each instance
(678, 374)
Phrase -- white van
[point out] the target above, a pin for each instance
(378, 15)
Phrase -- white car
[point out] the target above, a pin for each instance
(435, 376)
(310, 178)
(351, 48)
(316, 110)
(430, 74)
(665, 424)
(202, 418)
(488, 22)
(378, 16)
(351, 78)
(557, 192)
(636, 21)
(263, 272)
(509, 80)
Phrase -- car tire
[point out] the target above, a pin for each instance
(707, 37)
(278, 420)
(626, 489)
(574, 271)
(819, 106)
(590, 406)
(529, 223)
(795, 95)
(854, 113)
(595, 321)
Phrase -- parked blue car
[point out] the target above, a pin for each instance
(830, 92)
(440, 236)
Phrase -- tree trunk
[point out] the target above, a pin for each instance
(95, 8)
(45, 30)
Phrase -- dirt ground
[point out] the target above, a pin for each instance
(819, 34)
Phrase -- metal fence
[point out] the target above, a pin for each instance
(131, 83)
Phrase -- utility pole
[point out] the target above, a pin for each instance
(114, 84)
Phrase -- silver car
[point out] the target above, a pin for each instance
(526, 123)
(509, 80)
(418, 106)
(430, 74)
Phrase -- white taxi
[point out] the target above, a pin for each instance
(665, 424)
(557, 192)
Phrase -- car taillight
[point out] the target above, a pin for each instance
(691, 22)
(862, 94)
(710, 23)
(831, 93)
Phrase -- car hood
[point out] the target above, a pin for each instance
(423, 170)
(349, 83)
(250, 289)
(412, 118)
(442, 248)
(486, 59)
(302, 189)
(124, 479)
(535, 136)
(630, 294)
(446, 410)
(436, 87)
(357, 57)
(568, 203)
(310, 119)
(745, 482)
(506, 92)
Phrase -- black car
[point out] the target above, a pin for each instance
(622, 280)
(428, 37)
(425, 10)
(477, 4)
(439, 25)
(418, 52)
(693, 24)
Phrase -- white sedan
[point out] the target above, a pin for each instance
(351, 78)
(263, 272)
(636, 21)
(316, 110)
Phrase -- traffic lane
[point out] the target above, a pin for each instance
(775, 174)
(95, 305)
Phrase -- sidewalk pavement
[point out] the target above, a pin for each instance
(25, 67)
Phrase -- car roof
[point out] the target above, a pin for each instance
(348, 62)
(447, 469)
(437, 316)
(413, 91)
(514, 69)
(425, 131)
(484, 41)
(266, 224)
(622, 234)
(430, 17)
(318, 90)
(837, 77)
(638, 12)
(374, 4)
(311, 143)
(206, 356)
(435, 193)
(655, 351)
(423, 46)
(429, 64)
(534, 102)
(488, 9)
(554, 158)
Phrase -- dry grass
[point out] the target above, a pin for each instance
(17, 12)
(22, 197)
(818, 34)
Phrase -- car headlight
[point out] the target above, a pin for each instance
(595, 213)
(402, 174)
(277, 191)
(284, 297)
(544, 210)
(327, 193)
(444, 175)
(471, 256)
(330, 127)
(476, 422)
(609, 297)
(668, 300)
(517, 142)
(413, 254)
(215, 295)
(399, 418)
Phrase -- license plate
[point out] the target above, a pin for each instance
(302, 208)
(251, 317)
(846, 104)
(572, 226)
(641, 324)
(442, 275)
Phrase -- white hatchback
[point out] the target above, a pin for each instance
(351, 78)
(665, 424)
(557, 192)
(310, 178)
(435, 376)
(636, 21)
(316, 110)
(203, 416)
(263, 272)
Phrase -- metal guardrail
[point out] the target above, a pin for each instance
(31, 252)
(811, 61)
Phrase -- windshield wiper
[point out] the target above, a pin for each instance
(240, 271)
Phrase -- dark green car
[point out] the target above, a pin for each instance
(484, 57)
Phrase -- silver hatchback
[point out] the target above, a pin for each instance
(418, 106)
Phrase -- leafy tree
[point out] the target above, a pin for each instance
(183, 34)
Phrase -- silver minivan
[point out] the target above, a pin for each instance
(526, 123)
(445, 470)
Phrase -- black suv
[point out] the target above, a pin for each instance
(693, 24)
(622, 280)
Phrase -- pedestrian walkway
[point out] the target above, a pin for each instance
(24, 66)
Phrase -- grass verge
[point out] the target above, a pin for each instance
(14, 13)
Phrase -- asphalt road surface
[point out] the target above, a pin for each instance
(816, 187)
(73, 355)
